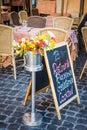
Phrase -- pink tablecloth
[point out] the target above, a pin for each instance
(71, 37)
(5, 16)
(24, 32)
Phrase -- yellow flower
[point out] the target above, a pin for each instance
(52, 42)
(17, 52)
(23, 45)
(32, 46)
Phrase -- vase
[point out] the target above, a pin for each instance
(33, 62)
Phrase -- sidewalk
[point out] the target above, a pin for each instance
(12, 93)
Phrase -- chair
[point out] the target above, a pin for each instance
(14, 19)
(63, 22)
(84, 34)
(60, 34)
(82, 23)
(6, 8)
(76, 23)
(23, 15)
(35, 11)
(36, 21)
(6, 39)
(0, 18)
(5, 14)
(83, 20)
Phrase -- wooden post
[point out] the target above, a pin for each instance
(28, 92)
(81, 7)
(62, 7)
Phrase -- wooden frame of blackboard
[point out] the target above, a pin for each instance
(48, 55)
(28, 93)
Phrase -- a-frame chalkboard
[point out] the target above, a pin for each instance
(61, 76)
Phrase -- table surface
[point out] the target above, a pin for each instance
(26, 32)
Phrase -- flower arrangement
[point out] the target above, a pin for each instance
(35, 44)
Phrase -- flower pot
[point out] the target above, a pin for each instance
(33, 62)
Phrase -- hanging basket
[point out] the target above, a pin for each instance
(33, 62)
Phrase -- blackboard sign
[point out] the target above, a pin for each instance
(42, 80)
(61, 76)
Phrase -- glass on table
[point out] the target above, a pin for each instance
(56, 24)
(24, 23)
(86, 24)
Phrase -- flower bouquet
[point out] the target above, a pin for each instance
(35, 44)
(33, 49)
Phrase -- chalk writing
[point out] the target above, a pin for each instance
(61, 74)
(60, 68)
(57, 55)
(63, 96)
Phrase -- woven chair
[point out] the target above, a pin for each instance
(6, 49)
(0, 18)
(6, 8)
(63, 22)
(14, 19)
(5, 14)
(83, 20)
(23, 15)
(84, 34)
(60, 34)
(76, 23)
(36, 21)
(35, 11)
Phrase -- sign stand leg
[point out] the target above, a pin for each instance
(78, 100)
(28, 92)
(33, 118)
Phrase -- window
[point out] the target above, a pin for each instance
(6, 2)
(34, 3)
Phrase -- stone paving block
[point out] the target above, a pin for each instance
(80, 127)
(12, 93)
(52, 127)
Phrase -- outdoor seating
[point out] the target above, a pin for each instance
(84, 34)
(35, 11)
(14, 19)
(63, 22)
(23, 15)
(6, 49)
(6, 8)
(36, 21)
(5, 14)
(60, 34)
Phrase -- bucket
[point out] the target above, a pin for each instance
(32, 61)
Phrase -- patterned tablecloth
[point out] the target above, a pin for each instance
(26, 32)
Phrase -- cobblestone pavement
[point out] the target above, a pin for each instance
(12, 93)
